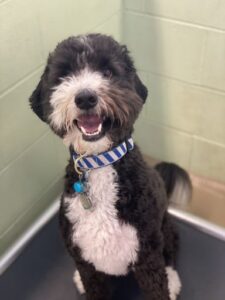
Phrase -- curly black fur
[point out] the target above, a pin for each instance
(143, 204)
(142, 199)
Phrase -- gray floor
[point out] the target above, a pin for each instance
(44, 270)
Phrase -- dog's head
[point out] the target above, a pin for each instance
(89, 93)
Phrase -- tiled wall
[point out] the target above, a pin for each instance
(179, 49)
(32, 159)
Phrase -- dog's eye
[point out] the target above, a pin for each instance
(107, 73)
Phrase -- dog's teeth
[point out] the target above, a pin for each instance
(83, 130)
(99, 127)
(92, 133)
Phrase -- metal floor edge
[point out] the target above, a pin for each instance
(44, 270)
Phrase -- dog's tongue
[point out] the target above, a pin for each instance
(89, 122)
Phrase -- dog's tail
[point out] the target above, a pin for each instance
(177, 182)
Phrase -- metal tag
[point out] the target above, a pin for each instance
(85, 201)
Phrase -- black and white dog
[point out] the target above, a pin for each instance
(113, 212)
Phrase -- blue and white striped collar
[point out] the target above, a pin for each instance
(105, 158)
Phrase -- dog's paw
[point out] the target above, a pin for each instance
(174, 283)
(78, 282)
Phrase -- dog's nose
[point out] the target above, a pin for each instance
(86, 99)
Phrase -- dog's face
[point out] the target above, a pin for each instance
(89, 93)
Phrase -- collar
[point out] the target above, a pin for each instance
(105, 158)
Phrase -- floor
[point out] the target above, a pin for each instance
(208, 201)
(44, 270)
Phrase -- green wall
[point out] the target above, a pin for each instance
(179, 49)
(32, 159)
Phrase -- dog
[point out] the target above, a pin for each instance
(113, 213)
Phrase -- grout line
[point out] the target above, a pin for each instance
(49, 186)
(140, 10)
(191, 154)
(122, 5)
(39, 67)
(122, 27)
(183, 132)
(104, 21)
(177, 21)
(12, 253)
(205, 140)
(4, 2)
(7, 162)
(24, 152)
(201, 86)
(203, 57)
(210, 184)
(20, 81)
(168, 127)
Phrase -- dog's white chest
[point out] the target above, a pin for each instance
(104, 241)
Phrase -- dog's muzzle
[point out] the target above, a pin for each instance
(86, 99)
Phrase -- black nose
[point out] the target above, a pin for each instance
(86, 99)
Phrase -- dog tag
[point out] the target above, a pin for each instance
(85, 201)
(78, 187)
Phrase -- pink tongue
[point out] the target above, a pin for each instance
(89, 122)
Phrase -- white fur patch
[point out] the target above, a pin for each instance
(105, 241)
(174, 283)
(63, 97)
(78, 282)
(84, 147)
(181, 194)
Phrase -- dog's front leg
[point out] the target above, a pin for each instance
(96, 285)
(151, 276)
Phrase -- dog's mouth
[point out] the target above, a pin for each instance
(91, 126)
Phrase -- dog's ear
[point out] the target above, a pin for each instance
(36, 100)
(39, 95)
(140, 88)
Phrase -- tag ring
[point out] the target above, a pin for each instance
(76, 167)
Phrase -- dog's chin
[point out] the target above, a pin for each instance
(92, 126)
